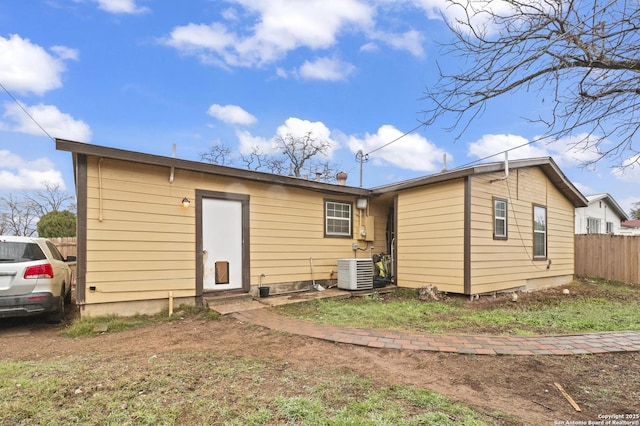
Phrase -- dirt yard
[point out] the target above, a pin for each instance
(522, 387)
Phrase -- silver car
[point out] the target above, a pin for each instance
(34, 278)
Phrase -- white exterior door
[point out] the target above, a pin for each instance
(221, 244)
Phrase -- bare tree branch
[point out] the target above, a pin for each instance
(299, 150)
(218, 154)
(298, 155)
(19, 216)
(52, 198)
(586, 54)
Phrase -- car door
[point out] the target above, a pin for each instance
(60, 267)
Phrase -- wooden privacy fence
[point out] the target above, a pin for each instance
(612, 257)
(66, 245)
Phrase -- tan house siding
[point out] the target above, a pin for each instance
(287, 233)
(138, 246)
(141, 241)
(379, 211)
(431, 237)
(505, 264)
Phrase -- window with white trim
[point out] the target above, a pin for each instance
(337, 219)
(593, 225)
(609, 227)
(539, 232)
(499, 219)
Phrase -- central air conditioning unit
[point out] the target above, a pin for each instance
(355, 274)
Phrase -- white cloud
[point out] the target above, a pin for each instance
(585, 189)
(248, 143)
(494, 145)
(231, 114)
(121, 7)
(296, 127)
(280, 27)
(432, 8)
(629, 171)
(55, 122)
(411, 152)
(19, 174)
(571, 151)
(300, 128)
(270, 30)
(627, 203)
(574, 150)
(65, 53)
(410, 41)
(28, 68)
(326, 69)
(369, 47)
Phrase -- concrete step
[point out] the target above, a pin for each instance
(226, 299)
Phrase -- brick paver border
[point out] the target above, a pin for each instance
(594, 343)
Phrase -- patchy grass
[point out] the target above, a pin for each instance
(197, 388)
(590, 306)
(114, 323)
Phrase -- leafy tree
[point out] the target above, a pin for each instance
(57, 224)
(635, 210)
(297, 156)
(584, 54)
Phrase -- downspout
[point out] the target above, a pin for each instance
(506, 168)
(100, 189)
(173, 155)
(467, 238)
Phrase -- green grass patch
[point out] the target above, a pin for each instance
(196, 388)
(92, 326)
(593, 306)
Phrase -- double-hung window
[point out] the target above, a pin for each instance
(609, 227)
(593, 225)
(539, 232)
(499, 219)
(337, 219)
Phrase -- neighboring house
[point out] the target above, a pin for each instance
(602, 216)
(473, 230)
(630, 227)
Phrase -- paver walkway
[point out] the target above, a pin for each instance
(626, 341)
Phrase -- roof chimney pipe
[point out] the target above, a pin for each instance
(341, 177)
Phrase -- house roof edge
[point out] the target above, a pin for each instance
(606, 197)
(546, 164)
(157, 160)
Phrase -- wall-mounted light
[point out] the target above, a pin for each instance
(361, 203)
(185, 202)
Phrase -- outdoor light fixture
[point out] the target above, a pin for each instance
(185, 202)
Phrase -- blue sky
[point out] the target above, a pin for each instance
(145, 74)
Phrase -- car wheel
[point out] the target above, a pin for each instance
(67, 297)
(55, 317)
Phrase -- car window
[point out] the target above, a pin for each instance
(11, 251)
(54, 251)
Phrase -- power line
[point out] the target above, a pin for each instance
(26, 112)
(396, 139)
(498, 153)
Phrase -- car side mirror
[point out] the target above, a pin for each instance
(70, 259)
